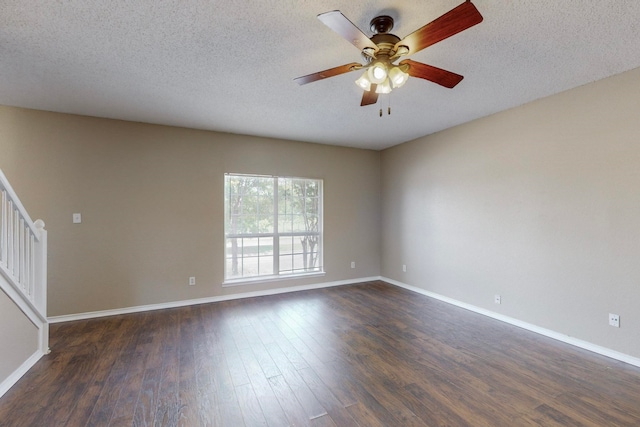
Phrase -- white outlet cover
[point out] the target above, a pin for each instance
(77, 218)
(614, 320)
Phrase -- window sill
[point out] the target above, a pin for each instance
(267, 279)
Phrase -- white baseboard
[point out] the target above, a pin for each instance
(524, 325)
(184, 303)
(18, 373)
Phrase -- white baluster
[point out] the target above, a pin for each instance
(3, 228)
(21, 255)
(10, 239)
(32, 265)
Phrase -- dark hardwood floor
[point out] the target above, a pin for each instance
(360, 355)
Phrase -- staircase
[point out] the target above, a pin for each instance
(23, 262)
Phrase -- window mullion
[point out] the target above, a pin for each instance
(320, 214)
(276, 235)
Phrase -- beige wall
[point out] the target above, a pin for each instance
(151, 199)
(18, 336)
(540, 204)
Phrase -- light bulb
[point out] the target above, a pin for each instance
(398, 77)
(378, 73)
(364, 82)
(384, 87)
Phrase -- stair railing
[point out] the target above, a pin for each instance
(23, 260)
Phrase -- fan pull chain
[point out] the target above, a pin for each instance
(388, 107)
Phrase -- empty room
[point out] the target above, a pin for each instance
(382, 213)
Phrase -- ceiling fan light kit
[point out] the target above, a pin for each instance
(383, 49)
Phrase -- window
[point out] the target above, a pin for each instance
(273, 226)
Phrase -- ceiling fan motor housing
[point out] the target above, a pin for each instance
(386, 42)
(381, 24)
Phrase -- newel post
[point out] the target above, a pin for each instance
(41, 284)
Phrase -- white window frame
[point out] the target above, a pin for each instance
(275, 235)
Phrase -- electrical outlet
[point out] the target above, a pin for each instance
(614, 320)
(404, 268)
(77, 218)
(353, 264)
(192, 281)
(497, 299)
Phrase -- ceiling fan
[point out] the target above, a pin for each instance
(383, 49)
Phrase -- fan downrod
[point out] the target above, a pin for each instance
(381, 24)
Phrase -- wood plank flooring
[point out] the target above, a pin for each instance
(362, 355)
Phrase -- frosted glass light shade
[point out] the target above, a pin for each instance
(384, 87)
(364, 82)
(398, 77)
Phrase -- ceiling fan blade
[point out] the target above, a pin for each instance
(369, 96)
(347, 29)
(433, 74)
(327, 73)
(456, 20)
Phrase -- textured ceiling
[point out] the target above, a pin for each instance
(229, 65)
